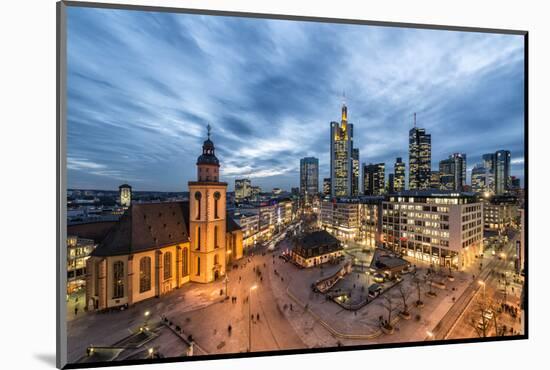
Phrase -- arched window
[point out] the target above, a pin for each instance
(144, 274)
(216, 237)
(185, 262)
(198, 197)
(167, 265)
(217, 197)
(118, 279)
(198, 238)
(96, 284)
(198, 266)
(216, 259)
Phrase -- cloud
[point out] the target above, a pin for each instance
(142, 86)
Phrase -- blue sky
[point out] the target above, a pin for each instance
(142, 86)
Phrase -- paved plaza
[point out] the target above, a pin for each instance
(271, 305)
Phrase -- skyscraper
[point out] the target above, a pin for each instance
(399, 175)
(309, 177)
(420, 158)
(452, 172)
(391, 183)
(482, 179)
(489, 164)
(355, 170)
(242, 189)
(341, 149)
(435, 180)
(502, 171)
(326, 186)
(374, 179)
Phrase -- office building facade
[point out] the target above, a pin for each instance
(341, 150)
(420, 158)
(442, 228)
(374, 179)
(309, 178)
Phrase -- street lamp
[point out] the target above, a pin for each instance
(482, 283)
(226, 280)
(253, 287)
(146, 315)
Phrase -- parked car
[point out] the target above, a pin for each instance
(379, 278)
(374, 291)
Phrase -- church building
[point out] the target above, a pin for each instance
(155, 248)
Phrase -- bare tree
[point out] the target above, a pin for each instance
(429, 279)
(389, 305)
(485, 316)
(417, 282)
(405, 292)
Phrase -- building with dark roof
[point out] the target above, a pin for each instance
(316, 248)
(157, 247)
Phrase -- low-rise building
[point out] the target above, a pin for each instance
(352, 218)
(78, 251)
(316, 248)
(499, 212)
(440, 227)
(249, 221)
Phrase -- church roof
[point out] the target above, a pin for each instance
(147, 226)
(231, 224)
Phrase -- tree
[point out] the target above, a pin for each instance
(389, 305)
(429, 279)
(417, 282)
(485, 317)
(405, 293)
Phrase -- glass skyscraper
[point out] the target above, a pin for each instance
(341, 156)
(420, 158)
(374, 177)
(502, 171)
(355, 172)
(309, 177)
(452, 172)
(399, 175)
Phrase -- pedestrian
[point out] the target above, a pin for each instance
(229, 329)
(75, 310)
(258, 316)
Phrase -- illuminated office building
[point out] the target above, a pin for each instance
(420, 158)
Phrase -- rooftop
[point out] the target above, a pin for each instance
(316, 239)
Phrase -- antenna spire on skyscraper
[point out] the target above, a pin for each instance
(414, 119)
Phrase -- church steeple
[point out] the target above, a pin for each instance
(207, 163)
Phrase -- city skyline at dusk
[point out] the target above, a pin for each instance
(240, 185)
(143, 86)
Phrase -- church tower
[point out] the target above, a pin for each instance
(207, 222)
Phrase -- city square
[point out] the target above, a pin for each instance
(352, 220)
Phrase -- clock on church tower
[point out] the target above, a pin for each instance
(207, 215)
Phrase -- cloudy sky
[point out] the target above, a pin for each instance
(142, 86)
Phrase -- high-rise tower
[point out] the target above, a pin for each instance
(309, 178)
(341, 156)
(420, 158)
(502, 171)
(399, 175)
